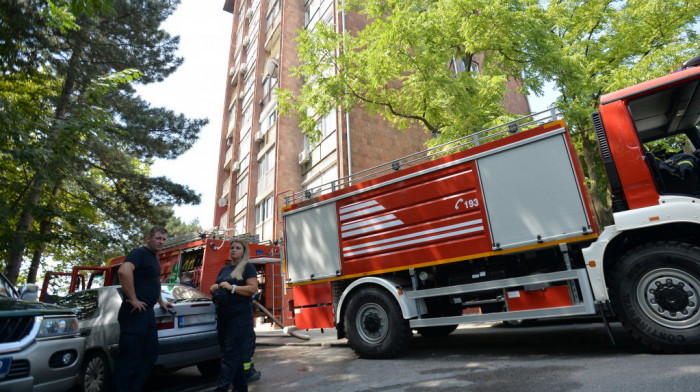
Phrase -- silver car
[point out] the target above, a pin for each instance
(186, 338)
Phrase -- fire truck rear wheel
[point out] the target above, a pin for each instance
(656, 295)
(374, 324)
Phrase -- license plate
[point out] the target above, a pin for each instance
(5, 366)
(196, 319)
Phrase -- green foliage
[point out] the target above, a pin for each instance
(176, 226)
(401, 66)
(77, 143)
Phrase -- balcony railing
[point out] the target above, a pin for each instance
(226, 187)
(229, 157)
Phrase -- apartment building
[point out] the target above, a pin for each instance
(264, 157)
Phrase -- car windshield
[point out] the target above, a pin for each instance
(83, 303)
(6, 289)
(181, 293)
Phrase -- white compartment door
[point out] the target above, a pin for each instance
(312, 243)
(531, 194)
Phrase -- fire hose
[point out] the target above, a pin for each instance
(273, 318)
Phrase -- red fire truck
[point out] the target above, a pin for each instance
(503, 230)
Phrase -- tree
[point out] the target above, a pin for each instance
(398, 66)
(79, 141)
(401, 65)
(606, 45)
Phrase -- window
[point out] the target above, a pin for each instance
(263, 211)
(253, 28)
(315, 10)
(244, 152)
(328, 175)
(246, 121)
(273, 10)
(458, 66)
(241, 16)
(266, 172)
(239, 226)
(253, 49)
(269, 120)
(83, 303)
(242, 188)
(268, 85)
(248, 88)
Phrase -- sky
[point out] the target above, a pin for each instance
(197, 89)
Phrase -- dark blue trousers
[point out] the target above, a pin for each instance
(234, 325)
(138, 349)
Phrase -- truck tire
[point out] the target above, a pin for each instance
(656, 295)
(374, 324)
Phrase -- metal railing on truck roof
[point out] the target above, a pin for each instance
(487, 135)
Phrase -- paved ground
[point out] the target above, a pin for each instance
(277, 337)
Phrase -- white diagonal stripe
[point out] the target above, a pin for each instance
(413, 235)
(361, 212)
(358, 206)
(372, 228)
(367, 222)
(416, 241)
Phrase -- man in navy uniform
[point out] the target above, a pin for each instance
(139, 275)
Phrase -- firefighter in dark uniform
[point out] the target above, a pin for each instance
(236, 284)
(139, 276)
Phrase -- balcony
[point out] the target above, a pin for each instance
(241, 205)
(226, 188)
(223, 222)
(231, 126)
(265, 183)
(273, 33)
(229, 158)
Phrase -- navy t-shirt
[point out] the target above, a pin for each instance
(146, 274)
(225, 276)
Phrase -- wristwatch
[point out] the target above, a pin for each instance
(233, 288)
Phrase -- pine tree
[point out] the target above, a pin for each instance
(79, 141)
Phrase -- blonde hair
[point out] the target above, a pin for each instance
(237, 272)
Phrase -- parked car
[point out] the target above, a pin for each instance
(40, 347)
(186, 338)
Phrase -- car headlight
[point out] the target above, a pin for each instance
(58, 326)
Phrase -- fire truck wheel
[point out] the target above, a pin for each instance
(95, 375)
(656, 295)
(374, 324)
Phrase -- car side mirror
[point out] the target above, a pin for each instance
(29, 292)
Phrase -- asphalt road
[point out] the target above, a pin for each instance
(545, 357)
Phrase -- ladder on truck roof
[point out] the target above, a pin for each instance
(487, 135)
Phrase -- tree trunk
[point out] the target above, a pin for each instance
(16, 254)
(26, 219)
(44, 230)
